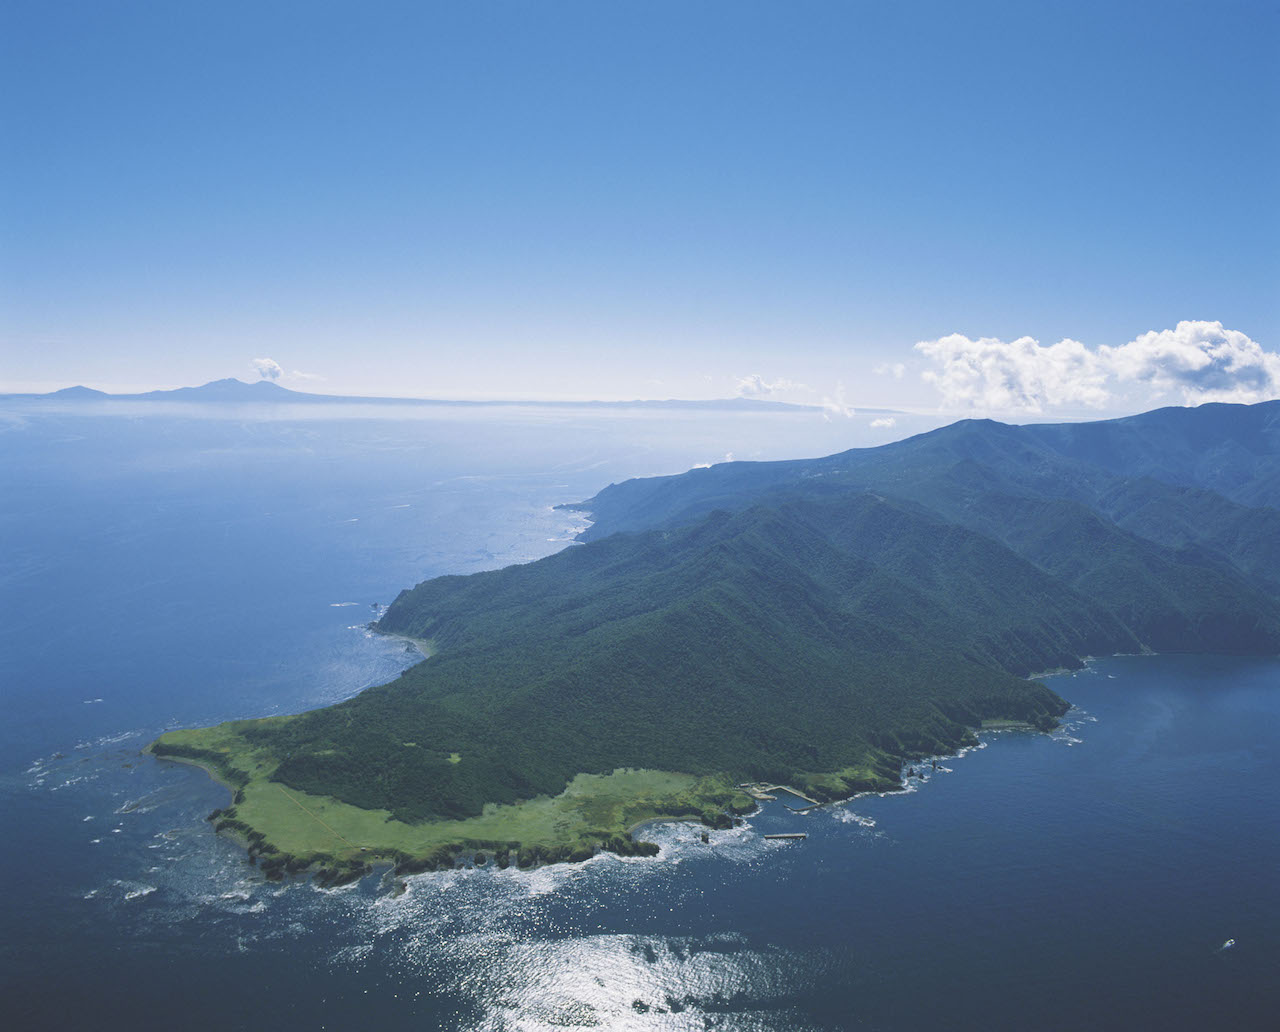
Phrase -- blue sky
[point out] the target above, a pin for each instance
(662, 199)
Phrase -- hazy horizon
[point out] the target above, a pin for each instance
(984, 209)
(330, 405)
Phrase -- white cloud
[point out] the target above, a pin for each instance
(298, 374)
(836, 406)
(267, 368)
(894, 369)
(756, 386)
(1022, 375)
(884, 421)
(1200, 360)
(1195, 361)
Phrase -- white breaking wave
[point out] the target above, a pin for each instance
(115, 739)
(135, 890)
(849, 817)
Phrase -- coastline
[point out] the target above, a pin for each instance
(191, 761)
(290, 832)
(287, 832)
(426, 646)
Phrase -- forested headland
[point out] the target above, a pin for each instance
(817, 623)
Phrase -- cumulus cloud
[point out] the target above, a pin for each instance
(267, 368)
(756, 386)
(1195, 362)
(1200, 360)
(1022, 375)
(884, 421)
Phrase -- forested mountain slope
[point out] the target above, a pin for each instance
(1203, 482)
(1229, 449)
(775, 643)
(817, 622)
(1232, 451)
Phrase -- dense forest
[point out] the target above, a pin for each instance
(816, 621)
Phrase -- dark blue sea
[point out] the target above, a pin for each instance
(179, 565)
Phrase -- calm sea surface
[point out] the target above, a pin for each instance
(184, 566)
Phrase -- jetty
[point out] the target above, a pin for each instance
(764, 794)
(791, 791)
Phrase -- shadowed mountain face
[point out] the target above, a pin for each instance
(1229, 449)
(1204, 483)
(1232, 451)
(793, 619)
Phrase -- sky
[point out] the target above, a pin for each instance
(1047, 209)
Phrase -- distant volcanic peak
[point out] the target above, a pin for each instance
(231, 387)
(228, 389)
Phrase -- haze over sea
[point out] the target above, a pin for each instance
(182, 565)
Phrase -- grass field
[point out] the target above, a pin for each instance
(592, 808)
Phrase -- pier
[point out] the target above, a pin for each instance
(789, 835)
(763, 794)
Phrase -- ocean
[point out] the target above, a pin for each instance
(179, 565)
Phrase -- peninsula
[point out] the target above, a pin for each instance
(816, 623)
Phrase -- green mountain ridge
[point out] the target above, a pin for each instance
(815, 622)
(752, 643)
(1232, 451)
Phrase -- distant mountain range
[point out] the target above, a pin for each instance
(232, 391)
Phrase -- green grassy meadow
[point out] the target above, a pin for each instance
(592, 809)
